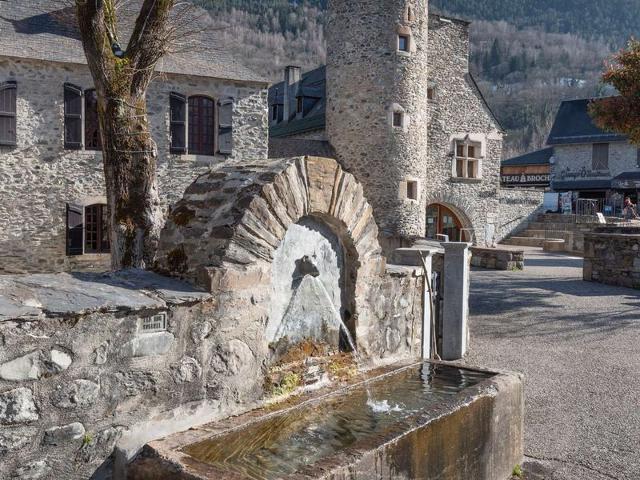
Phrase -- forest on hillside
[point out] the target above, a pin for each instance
(527, 56)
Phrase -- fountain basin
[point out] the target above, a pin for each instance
(421, 421)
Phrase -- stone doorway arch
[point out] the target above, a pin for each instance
(462, 210)
(225, 232)
(444, 221)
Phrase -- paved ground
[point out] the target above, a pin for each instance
(578, 344)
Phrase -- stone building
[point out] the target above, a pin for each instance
(405, 116)
(594, 164)
(52, 197)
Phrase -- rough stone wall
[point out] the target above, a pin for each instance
(319, 134)
(496, 259)
(367, 80)
(456, 111)
(517, 209)
(38, 177)
(623, 157)
(613, 256)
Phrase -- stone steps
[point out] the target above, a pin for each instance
(548, 244)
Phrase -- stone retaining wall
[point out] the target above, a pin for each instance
(497, 259)
(612, 256)
(79, 376)
(518, 207)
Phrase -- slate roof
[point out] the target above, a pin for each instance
(297, 147)
(46, 30)
(313, 85)
(539, 157)
(573, 125)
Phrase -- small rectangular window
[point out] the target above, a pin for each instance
(467, 161)
(275, 113)
(412, 190)
(431, 93)
(403, 43)
(397, 119)
(300, 106)
(8, 107)
(155, 323)
(600, 156)
(460, 150)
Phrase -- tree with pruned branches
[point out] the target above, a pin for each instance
(121, 77)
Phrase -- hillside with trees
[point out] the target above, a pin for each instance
(527, 56)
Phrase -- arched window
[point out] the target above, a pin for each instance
(91, 121)
(202, 125)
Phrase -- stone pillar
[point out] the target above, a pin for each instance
(455, 318)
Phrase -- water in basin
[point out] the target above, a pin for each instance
(284, 443)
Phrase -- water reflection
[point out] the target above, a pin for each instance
(283, 444)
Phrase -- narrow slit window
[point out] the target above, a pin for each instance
(431, 93)
(398, 118)
(403, 43)
(412, 190)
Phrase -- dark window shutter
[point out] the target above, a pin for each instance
(75, 227)
(8, 98)
(225, 126)
(178, 128)
(72, 117)
(92, 140)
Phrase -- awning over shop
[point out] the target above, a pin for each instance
(583, 185)
(627, 181)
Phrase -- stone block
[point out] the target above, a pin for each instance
(35, 365)
(322, 177)
(12, 439)
(64, 435)
(32, 471)
(79, 393)
(147, 344)
(17, 406)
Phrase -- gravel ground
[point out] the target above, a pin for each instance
(578, 344)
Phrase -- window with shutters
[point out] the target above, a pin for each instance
(201, 126)
(87, 229)
(72, 116)
(8, 100)
(91, 122)
(600, 156)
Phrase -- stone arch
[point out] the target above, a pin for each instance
(461, 207)
(224, 232)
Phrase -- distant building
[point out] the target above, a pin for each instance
(203, 108)
(592, 163)
(530, 170)
(412, 124)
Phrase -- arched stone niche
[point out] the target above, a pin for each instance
(254, 234)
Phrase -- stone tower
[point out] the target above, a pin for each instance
(377, 118)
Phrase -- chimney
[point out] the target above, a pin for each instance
(291, 83)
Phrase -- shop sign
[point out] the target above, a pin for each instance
(541, 179)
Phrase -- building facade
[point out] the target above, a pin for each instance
(405, 115)
(52, 192)
(595, 165)
(528, 170)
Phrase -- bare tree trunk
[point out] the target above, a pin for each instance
(130, 154)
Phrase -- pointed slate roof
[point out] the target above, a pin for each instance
(47, 30)
(573, 125)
